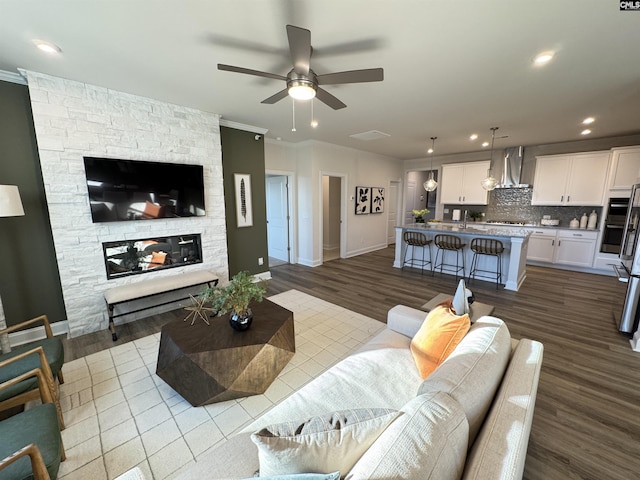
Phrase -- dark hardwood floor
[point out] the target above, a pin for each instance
(587, 418)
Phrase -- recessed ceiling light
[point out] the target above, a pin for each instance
(473, 136)
(485, 144)
(588, 120)
(543, 58)
(47, 47)
(586, 131)
(430, 150)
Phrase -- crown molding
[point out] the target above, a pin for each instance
(12, 77)
(242, 126)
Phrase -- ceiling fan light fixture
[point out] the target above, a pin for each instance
(301, 89)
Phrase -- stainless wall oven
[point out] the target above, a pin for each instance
(614, 222)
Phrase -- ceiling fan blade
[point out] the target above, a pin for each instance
(277, 97)
(356, 46)
(248, 71)
(352, 76)
(300, 47)
(327, 98)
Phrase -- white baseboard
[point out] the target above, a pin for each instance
(263, 275)
(309, 263)
(37, 333)
(373, 248)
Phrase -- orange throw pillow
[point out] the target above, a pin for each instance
(438, 336)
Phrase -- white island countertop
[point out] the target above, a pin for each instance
(485, 230)
(514, 238)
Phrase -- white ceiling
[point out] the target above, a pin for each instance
(451, 68)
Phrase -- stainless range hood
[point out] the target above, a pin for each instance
(512, 168)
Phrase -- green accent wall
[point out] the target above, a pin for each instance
(29, 277)
(242, 153)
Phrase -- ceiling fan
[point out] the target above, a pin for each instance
(302, 81)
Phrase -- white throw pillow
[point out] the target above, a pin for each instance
(326, 443)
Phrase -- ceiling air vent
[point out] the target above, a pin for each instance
(370, 135)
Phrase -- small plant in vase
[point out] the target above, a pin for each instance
(475, 216)
(419, 214)
(235, 299)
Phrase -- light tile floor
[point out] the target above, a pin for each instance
(119, 414)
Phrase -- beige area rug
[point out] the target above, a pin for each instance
(120, 414)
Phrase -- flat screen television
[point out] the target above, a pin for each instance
(121, 190)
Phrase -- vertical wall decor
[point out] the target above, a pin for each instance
(363, 200)
(377, 200)
(244, 212)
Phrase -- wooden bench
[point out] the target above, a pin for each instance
(152, 287)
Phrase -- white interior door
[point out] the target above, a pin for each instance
(392, 209)
(277, 217)
(411, 202)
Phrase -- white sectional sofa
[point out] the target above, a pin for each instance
(469, 419)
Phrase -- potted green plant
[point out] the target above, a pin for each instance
(475, 215)
(235, 299)
(419, 214)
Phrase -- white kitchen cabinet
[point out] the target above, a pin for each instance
(625, 168)
(461, 183)
(575, 248)
(572, 179)
(563, 247)
(541, 245)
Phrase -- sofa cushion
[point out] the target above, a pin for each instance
(473, 371)
(326, 443)
(360, 380)
(305, 476)
(438, 336)
(427, 441)
(510, 416)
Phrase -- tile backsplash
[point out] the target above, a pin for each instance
(514, 204)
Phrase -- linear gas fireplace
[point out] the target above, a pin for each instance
(132, 257)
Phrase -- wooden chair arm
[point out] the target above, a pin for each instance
(37, 463)
(46, 385)
(26, 323)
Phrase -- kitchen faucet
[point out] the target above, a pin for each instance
(464, 219)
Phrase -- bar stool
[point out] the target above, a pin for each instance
(413, 240)
(449, 243)
(490, 247)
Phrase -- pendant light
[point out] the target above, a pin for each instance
(490, 182)
(430, 185)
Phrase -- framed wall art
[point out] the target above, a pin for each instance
(377, 200)
(363, 200)
(244, 210)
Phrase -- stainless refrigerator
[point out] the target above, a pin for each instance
(630, 260)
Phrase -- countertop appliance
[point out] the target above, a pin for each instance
(630, 261)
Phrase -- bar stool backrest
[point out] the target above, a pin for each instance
(415, 239)
(448, 242)
(487, 246)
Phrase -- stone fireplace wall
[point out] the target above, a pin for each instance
(73, 120)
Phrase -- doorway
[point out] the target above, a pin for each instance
(278, 220)
(393, 220)
(417, 198)
(331, 217)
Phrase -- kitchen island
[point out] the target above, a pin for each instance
(514, 257)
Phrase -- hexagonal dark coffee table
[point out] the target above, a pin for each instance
(213, 363)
